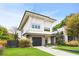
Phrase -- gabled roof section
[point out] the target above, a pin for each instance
(29, 13)
(39, 15)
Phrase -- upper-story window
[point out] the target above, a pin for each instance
(36, 26)
(46, 29)
(33, 26)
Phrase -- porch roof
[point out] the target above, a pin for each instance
(37, 33)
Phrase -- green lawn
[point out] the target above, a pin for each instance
(74, 50)
(24, 52)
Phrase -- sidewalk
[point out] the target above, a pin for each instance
(55, 52)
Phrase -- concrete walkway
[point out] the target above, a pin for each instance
(55, 52)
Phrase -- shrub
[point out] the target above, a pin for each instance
(25, 42)
(3, 42)
(60, 41)
(73, 43)
(2, 45)
(1, 49)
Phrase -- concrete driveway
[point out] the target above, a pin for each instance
(55, 52)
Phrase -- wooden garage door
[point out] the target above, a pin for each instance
(37, 41)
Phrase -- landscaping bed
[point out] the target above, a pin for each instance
(24, 52)
(70, 49)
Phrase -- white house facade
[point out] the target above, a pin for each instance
(36, 27)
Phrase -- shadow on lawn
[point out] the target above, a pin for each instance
(74, 51)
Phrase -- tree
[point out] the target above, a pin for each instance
(59, 38)
(14, 31)
(61, 24)
(10, 36)
(3, 32)
(72, 25)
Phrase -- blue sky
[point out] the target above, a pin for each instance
(11, 14)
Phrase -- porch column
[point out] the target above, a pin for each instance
(49, 40)
(43, 41)
(66, 38)
(54, 40)
(65, 35)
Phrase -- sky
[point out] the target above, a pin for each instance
(11, 14)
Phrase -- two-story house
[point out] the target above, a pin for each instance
(37, 27)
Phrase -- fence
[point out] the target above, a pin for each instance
(12, 43)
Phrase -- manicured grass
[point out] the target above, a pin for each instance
(24, 52)
(74, 50)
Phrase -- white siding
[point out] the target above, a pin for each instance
(27, 25)
(39, 22)
(48, 24)
(34, 20)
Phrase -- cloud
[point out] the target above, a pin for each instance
(56, 22)
(9, 18)
(52, 13)
(9, 13)
(55, 14)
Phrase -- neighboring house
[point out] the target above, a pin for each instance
(38, 28)
(65, 36)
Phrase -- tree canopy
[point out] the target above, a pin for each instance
(61, 24)
(72, 25)
(4, 35)
(3, 32)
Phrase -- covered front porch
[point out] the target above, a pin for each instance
(41, 39)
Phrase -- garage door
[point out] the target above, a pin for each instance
(37, 41)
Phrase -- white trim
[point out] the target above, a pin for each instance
(49, 40)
